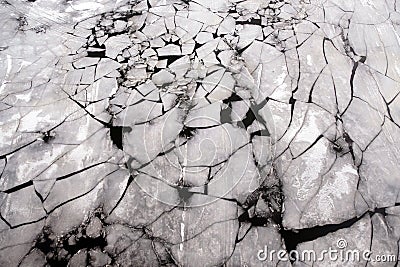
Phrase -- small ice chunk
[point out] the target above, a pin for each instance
(168, 100)
(212, 80)
(85, 62)
(216, 6)
(248, 34)
(79, 259)
(207, 48)
(87, 6)
(119, 25)
(162, 77)
(115, 44)
(93, 230)
(99, 258)
(204, 15)
(227, 26)
(204, 37)
(188, 47)
(146, 88)
(163, 11)
(137, 73)
(224, 88)
(105, 67)
(170, 23)
(225, 57)
(169, 50)
(190, 28)
(155, 29)
(157, 42)
(162, 64)
(204, 117)
(180, 66)
(137, 21)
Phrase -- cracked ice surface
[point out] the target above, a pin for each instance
(197, 133)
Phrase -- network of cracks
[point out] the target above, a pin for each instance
(197, 133)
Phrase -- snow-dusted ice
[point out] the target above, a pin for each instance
(199, 133)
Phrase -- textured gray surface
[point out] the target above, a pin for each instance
(197, 133)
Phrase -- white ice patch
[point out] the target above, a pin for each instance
(334, 190)
(30, 120)
(24, 97)
(281, 78)
(314, 162)
(9, 65)
(309, 60)
(182, 235)
(310, 130)
(32, 166)
(86, 6)
(83, 130)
